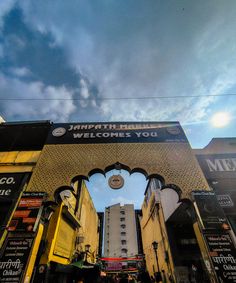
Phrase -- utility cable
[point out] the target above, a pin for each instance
(119, 98)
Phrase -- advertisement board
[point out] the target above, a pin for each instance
(14, 258)
(28, 212)
(223, 256)
(117, 132)
(210, 213)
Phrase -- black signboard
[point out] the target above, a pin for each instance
(219, 166)
(28, 212)
(14, 258)
(11, 185)
(225, 190)
(220, 172)
(223, 256)
(210, 212)
(117, 132)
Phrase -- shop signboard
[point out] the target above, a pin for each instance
(223, 256)
(14, 258)
(220, 172)
(10, 185)
(114, 266)
(28, 212)
(10, 188)
(219, 166)
(117, 132)
(210, 213)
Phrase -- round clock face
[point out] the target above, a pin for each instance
(116, 182)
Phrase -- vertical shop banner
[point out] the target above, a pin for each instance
(209, 211)
(14, 258)
(223, 256)
(28, 212)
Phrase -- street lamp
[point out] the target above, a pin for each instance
(87, 247)
(155, 247)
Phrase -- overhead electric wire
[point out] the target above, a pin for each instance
(120, 98)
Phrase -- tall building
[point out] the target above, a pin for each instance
(120, 239)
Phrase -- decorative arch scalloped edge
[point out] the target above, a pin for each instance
(117, 166)
(157, 176)
(173, 187)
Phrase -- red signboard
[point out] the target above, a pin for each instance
(28, 211)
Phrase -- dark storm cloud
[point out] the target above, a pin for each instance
(33, 66)
(24, 47)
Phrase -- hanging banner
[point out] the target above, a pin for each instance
(28, 212)
(209, 211)
(14, 258)
(223, 256)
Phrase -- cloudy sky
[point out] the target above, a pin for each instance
(90, 60)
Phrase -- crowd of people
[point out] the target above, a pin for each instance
(117, 278)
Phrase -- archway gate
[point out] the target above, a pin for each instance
(154, 147)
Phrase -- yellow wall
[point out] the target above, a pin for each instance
(89, 223)
(18, 161)
(153, 229)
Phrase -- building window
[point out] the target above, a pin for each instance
(122, 219)
(124, 251)
(122, 226)
(122, 212)
(123, 233)
(123, 242)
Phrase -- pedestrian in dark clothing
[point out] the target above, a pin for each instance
(124, 279)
